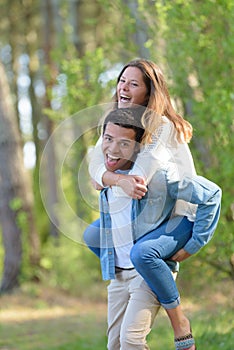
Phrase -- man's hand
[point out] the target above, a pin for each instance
(180, 255)
(133, 185)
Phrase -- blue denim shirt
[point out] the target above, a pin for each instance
(157, 207)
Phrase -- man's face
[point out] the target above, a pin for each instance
(119, 147)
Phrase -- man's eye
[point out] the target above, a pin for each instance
(107, 138)
(125, 144)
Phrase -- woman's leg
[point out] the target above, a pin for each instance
(148, 255)
(92, 237)
(150, 252)
(182, 331)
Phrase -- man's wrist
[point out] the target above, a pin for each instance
(117, 180)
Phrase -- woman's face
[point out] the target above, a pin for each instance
(131, 88)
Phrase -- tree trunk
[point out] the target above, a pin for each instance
(15, 201)
(30, 49)
(48, 43)
(140, 36)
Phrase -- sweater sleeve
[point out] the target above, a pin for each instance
(164, 148)
(96, 163)
(207, 195)
(154, 154)
(147, 161)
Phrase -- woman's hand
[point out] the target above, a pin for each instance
(133, 185)
(96, 185)
(180, 255)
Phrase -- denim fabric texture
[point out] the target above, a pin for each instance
(150, 253)
(156, 208)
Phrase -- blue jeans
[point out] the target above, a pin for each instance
(92, 237)
(149, 253)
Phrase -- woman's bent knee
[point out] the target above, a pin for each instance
(91, 237)
(140, 253)
(91, 234)
(135, 256)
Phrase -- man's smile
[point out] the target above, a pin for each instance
(111, 161)
(118, 146)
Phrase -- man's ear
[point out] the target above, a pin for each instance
(137, 147)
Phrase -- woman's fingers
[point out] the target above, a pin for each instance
(139, 179)
(133, 186)
(140, 192)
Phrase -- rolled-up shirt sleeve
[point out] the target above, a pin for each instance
(207, 195)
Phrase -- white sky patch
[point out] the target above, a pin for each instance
(25, 110)
(24, 81)
(110, 74)
(40, 89)
(29, 155)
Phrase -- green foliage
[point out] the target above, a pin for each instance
(193, 41)
(195, 48)
(83, 86)
(80, 81)
(70, 267)
(41, 217)
(16, 205)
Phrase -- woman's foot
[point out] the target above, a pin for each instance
(186, 342)
(183, 336)
(182, 330)
(182, 327)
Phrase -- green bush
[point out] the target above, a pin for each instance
(71, 267)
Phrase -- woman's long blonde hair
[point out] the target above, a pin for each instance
(159, 102)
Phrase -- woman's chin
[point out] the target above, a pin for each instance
(124, 104)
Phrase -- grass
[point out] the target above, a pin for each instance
(45, 318)
(38, 317)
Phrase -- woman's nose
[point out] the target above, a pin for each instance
(125, 86)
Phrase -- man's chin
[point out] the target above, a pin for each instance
(111, 168)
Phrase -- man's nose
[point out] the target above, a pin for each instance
(114, 148)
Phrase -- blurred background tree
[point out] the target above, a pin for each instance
(61, 59)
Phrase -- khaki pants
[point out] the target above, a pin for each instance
(132, 308)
